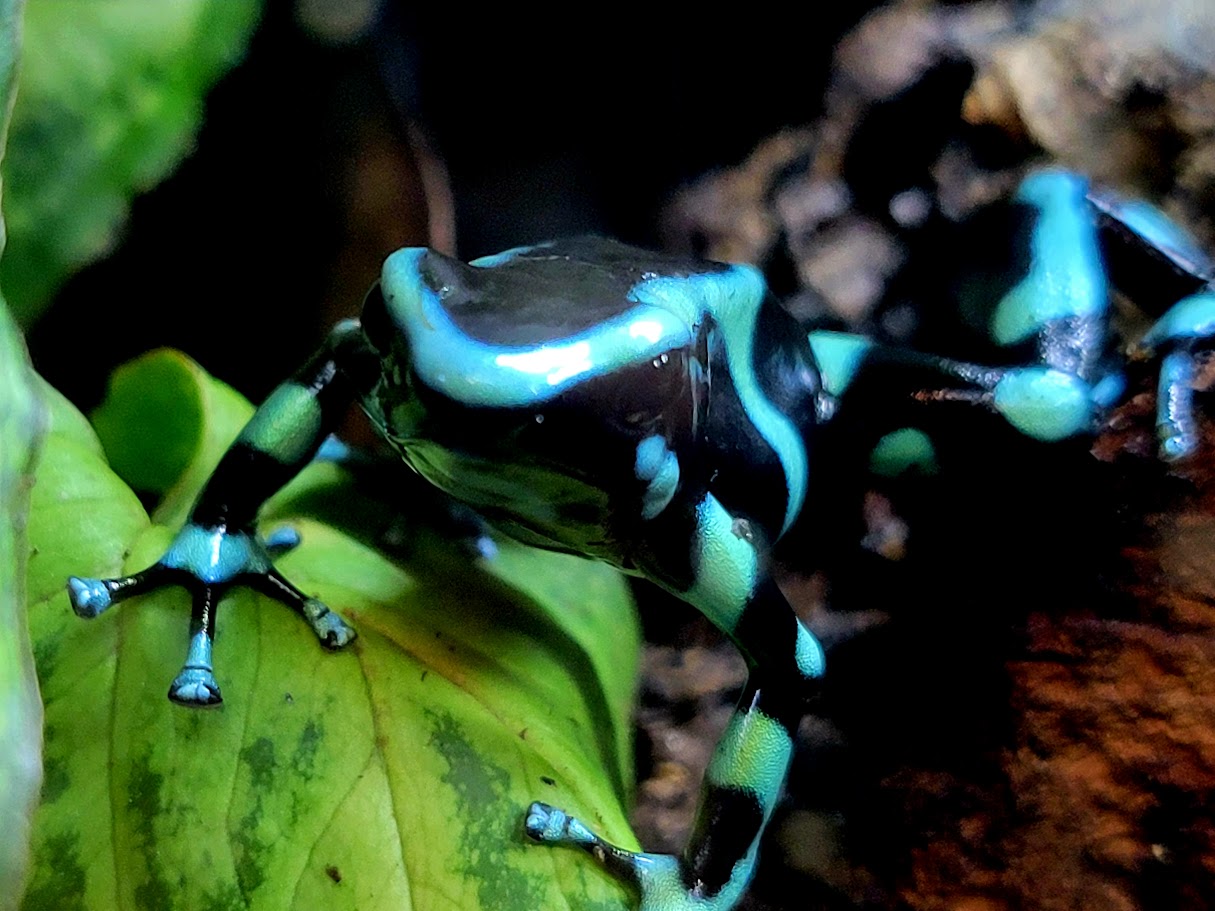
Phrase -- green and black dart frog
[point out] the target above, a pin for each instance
(662, 415)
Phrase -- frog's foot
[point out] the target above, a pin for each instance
(662, 879)
(195, 686)
(1185, 330)
(92, 597)
(331, 630)
(208, 561)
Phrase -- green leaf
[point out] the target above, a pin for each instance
(21, 419)
(165, 424)
(394, 774)
(21, 426)
(111, 96)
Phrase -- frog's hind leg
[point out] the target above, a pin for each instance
(1167, 273)
(889, 387)
(1184, 332)
(749, 765)
(741, 787)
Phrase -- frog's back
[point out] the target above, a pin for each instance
(549, 292)
(622, 384)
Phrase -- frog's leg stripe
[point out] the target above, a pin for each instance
(256, 461)
(750, 763)
(770, 636)
(732, 298)
(742, 784)
(283, 435)
(741, 787)
(477, 373)
(1066, 277)
(731, 588)
(727, 567)
(217, 547)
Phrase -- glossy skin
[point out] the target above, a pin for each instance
(660, 415)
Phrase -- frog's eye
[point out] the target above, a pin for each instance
(665, 380)
(377, 325)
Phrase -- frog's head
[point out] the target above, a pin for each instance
(535, 386)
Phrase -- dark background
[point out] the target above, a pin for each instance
(308, 168)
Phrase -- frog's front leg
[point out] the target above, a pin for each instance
(748, 768)
(218, 547)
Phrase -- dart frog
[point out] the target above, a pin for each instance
(662, 415)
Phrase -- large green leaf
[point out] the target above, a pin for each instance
(21, 417)
(21, 420)
(111, 95)
(392, 775)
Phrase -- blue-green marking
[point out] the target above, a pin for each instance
(286, 425)
(732, 298)
(195, 684)
(657, 465)
(1043, 403)
(811, 659)
(1066, 277)
(1158, 230)
(1175, 427)
(838, 355)
(477, 373)
(1190, 317)
(753, 755)
(214, 555)
(663, 888)
(1108, 390)
(902, 449)
(506, 256)
(727, 568)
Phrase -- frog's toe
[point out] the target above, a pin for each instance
(1178, 446)
(89, 597)
(332, 631)
(281, 540)
(544, 823)
(549, 825)
(484, 546)
(195, 687)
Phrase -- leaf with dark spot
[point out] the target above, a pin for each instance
(396, 761)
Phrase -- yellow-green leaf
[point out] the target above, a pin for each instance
(21, 417)
(394, 774)
(21, 422)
